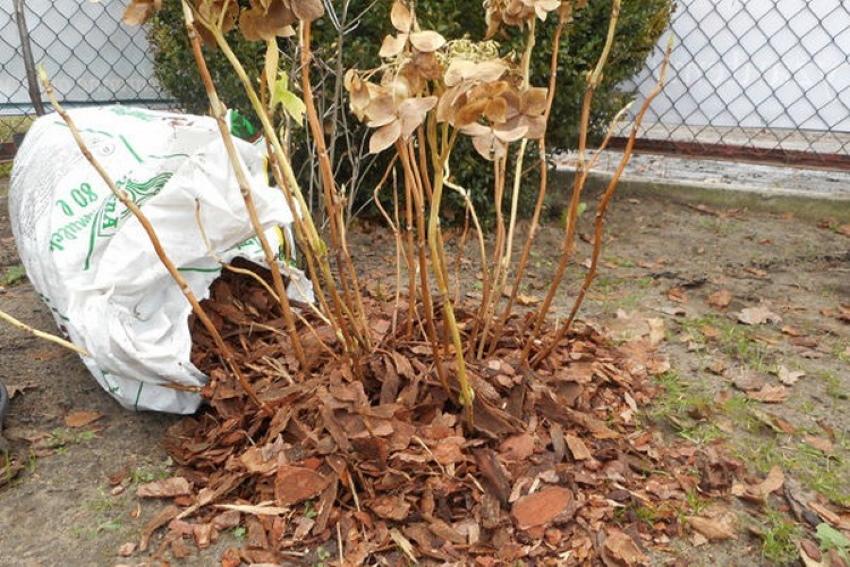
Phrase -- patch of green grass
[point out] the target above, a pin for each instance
(738, 408)
(5, 169)
(323, 555)
(719, 226)
(646, 514)
(696, 503)
(822, 473)
(12, 275)
(605, 284)
(834, 388)
(239, 532)
(62, 438)
(732, 339)
(106, 511)
(841, 351)
(831, 539)
(779, 538)
(149, 473)
(620, 262)
(686, 408)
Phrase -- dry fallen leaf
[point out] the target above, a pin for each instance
(390, 507)
(774, 481)
(749, 381)
(82, 418)
(577, 448)
(517, 448)
(526, 299)
(677, 294)
(758, 316)
(296, 484)
(542, 507)
(820, 443)
(657, 331)
(624, 549)
(720, 299)
(810, 554)
(789, 377)
(714, 529)
(770, 394)
(166, 488)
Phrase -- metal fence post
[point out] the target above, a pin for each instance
(29, 63)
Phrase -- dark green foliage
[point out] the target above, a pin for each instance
(641, 23)
(174, 64)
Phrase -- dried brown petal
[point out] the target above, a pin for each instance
(427, 41)
(401, 17)
(307, 10)
(385, 137)
(393, 45)
(140, 11)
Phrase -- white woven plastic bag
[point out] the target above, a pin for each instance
(93, 264)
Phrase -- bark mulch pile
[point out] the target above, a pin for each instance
(380, 466)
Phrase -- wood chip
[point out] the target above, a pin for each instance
(542, 507)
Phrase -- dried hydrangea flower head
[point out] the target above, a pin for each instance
(516, 13)
(263, 20)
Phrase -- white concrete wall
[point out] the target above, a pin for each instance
(88, 52)
(740, 62)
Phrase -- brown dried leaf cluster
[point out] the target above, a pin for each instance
(263, 20)
(378, 457)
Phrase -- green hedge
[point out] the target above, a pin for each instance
(641, 23)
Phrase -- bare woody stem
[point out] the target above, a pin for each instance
(602, 209)
(438, 265)
(312, 244)
(329, 191)
(544, 184)
(125, 200)
(42, 335)
(217, 109)
(593, 80)
(412, 177)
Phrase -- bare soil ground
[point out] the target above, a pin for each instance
(665, 257)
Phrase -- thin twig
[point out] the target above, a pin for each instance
(594, 78)
(44, 335)
(218, 112)
(602, 209)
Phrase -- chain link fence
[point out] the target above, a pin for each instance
(91, 57)
(761, 80)
(748, 80)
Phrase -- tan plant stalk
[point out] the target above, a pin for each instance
(439, 268)
(504, 265)
(329, 189)
(310, 241)
(544, 181)
(423, 160)
(479, 232)
(593, 80)
(131, 206)
(493, 272)
(43, 335)
(410, 256)
(411, 175)
(333, 314)
(394, 226)
(218, 112)
(602, 209)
